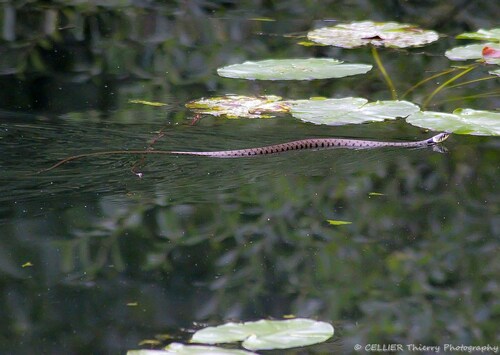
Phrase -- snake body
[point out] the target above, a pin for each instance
(316, 143)
(273, 149)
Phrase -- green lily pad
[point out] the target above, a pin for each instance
(267, 334)
(472, 51)
(482, 35)
(236, 106)
(388, 34)
(495, 72)
(349, 110)
(181, 349)
(461, 121)
(487, 51)
(293, 69)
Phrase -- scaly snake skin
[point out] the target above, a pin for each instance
(317, 144)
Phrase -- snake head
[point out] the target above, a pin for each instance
(441, 137)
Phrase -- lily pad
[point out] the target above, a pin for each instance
(472, 51)
(293, 69)
(482, 35)
(495, 72)
(268, 334)
(461, 121)
(235, 106)
(181, 349)
(490, 52)
(349, 110)
(388, 34)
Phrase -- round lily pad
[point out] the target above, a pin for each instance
(472, 51)
(238, 106)
(482, 35)
(489, 52)
(388, 34)
(293, 69)
(349, 110)
(267, 334)
(461, 121)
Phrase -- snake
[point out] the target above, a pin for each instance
(312, 143)
(316, 143)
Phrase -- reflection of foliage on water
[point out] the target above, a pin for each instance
(414, 256)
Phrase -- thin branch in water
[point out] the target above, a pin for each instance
(110, 152)
(386, 76)
(140, 163)
(196, 119)
(445, 84)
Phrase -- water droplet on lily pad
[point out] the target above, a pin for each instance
(293, 69)
(267, 334)
(461, 121)
(482, 35)
(238, 106)
(388, 34)
(349, 110)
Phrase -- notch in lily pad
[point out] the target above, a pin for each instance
(293, 69)
(461, 121)
(349, 110)
(239, 106)
(267, 334)
(387, 34)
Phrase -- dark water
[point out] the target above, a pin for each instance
(116, 258)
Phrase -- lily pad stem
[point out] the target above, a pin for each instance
(421, 82)
(386, 76)
(472, 81)
(445, 84)
(478, 96)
